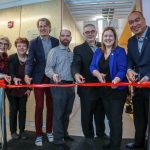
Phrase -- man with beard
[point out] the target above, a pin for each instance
(58, 69)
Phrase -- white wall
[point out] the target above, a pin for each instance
(146, 10)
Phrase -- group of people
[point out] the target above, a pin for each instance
(50, 60)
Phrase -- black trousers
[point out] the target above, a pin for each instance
(17, 111)
(63, 99)
(92, 109)
(140, 111)
(114, 104)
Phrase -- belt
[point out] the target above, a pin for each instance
(67, 82)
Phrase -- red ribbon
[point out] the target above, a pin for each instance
(144, 84)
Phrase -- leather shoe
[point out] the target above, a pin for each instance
(68, 138)
(107, 146)
(23, 136)
(133, 145)
(104, 137)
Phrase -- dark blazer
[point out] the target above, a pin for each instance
(139, 62)
(36, 62)
(81, 62)
(13, 65)
(117, 63)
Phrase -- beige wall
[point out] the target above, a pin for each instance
(69, 23)
(25, 19)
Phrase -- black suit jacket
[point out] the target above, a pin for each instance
(83, 55)
(140, 62)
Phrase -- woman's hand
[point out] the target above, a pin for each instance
(116, 80)
(17, 81)
(101, 77)
(7, 78)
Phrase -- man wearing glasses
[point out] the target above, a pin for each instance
(91, 104)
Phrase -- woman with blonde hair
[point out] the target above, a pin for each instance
(4, 46)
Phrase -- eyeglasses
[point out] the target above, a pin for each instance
(5, 44)
(88, 32)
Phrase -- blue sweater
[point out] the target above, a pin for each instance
(117, 63)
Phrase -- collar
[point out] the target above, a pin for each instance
(43, 39)
(143, 35)
(91, 45)
(62, 47)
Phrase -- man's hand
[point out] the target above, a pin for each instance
(56, 78)
(144, 79)
(79, 78)
(27, 79)
(132, 75)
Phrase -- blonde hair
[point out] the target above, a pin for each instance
(115, 35)
(7, 40)
(48, 23)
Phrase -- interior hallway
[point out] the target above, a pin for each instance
(75, 123)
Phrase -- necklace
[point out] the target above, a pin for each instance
(22, 59)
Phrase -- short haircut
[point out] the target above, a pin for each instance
(115, 35)
(48, 23)
(22, 40)
(89, 25)
(65, 30)
(139, 12)
(7, 40)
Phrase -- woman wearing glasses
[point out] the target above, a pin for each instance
(4, 46)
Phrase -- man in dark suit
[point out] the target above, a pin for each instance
(139, 70)
(35, 71)
(91, 104)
